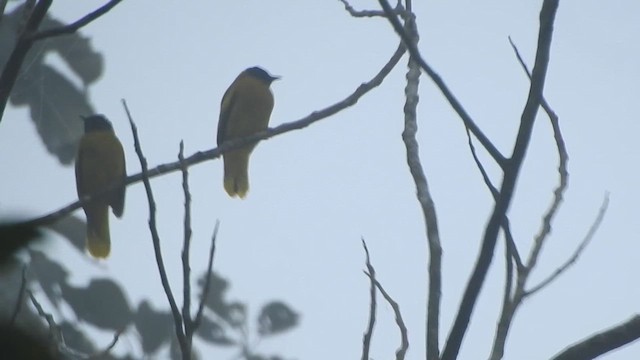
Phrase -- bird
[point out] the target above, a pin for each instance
(100, 164)
(245, 110)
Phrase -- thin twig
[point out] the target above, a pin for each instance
(511, 244)
(370, 13)
(603, 342)
(404, 337)
(366, 338)
(202, 156)
(102, 354)
(177, 318)
(19, 300)
(205, 292)
(453, 101)
(576, 254)
(75, 26)
(186, 244)
(511, 173)
(54, 330)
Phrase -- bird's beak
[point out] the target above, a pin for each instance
(275, 77)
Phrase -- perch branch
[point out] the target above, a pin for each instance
(202, 156)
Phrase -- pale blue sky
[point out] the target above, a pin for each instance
(316, 192)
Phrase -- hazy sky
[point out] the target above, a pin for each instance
(316, 192)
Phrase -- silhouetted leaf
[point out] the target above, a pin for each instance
(73, 228)
(50, 275)
(155, 327)
(276, 317)
(215, 299)
(54, 102)
(212, 332)
(102, 304)
(15, 236)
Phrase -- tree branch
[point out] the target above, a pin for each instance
(576, 254)
(75, 26)
(13, 64)
(424, 197)
(603, 342)
(511, 172)
(453, 101)
(186, 244)
(366, 339)
(404, 338)
(205, 291)
(177, 318)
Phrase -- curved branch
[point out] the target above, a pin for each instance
(603, 342)
(202, 156)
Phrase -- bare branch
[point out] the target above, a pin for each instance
(205, 291)
(177, 318)
(453, 101)
(366, 339)
(576, 254)
(202, 156)
(75, 26)
(511, 172)
(424, 198)
(603, 342)
(186, 267)
(404, 338)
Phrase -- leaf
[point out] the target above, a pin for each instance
(155, 327)
(54, 102)
(15, 236)
(212, 332)
(50, 275)
(73, 228)
(102, 304)
(276, 317)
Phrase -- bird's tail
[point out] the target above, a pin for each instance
(98, 238)
(236, 172)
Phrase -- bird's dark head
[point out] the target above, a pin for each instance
(261, 75)
(96, 122)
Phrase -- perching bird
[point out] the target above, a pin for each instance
(245, 110)
(100, 164)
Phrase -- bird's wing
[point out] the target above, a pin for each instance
(79, 169)
(117, 197)
(226, 106)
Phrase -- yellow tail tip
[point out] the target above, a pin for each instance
(98, 248)
(236, 186)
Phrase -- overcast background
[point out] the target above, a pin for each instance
(314, 193)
